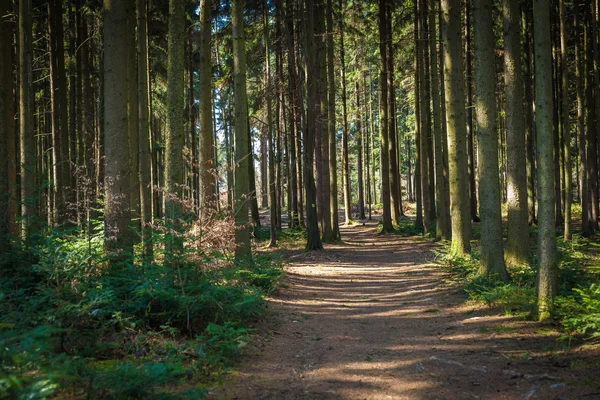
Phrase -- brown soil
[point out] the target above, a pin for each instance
(375, 318)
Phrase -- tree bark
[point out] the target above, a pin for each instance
(117, 216)
(145, 161)
(26, 124)
(312, 228)
(242, 146)
(345, 133)
(492, 256)
(456, 127)
(565, 122)
(443, 229)
(517, 247)
(333, 176)
(174, 138)
(6, 118)
(547, 273)
(387, 226)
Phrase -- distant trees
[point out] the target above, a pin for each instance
(153, 119)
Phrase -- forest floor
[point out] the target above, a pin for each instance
(374, 317)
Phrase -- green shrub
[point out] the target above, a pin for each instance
(69, 320)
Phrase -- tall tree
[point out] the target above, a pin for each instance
(60, 120)
(333, 177)
(395, 181)
(425, 117)
(26, 122)
(472, 164)
(207, 180)
(492, 257)
(518, 233)
(242, 145)
(5, 120)
(456, 127)
(345, 132)
(547, 273)
(387, 226)
(174, 137)
(323, 122)
(565, 122)
(312, 228)
(269, 132)
(442, 197)
(145, 160)
(117, 216)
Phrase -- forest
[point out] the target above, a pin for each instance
(169, 167)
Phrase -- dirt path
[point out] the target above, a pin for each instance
(374, 318)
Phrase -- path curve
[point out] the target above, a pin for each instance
(375, 318)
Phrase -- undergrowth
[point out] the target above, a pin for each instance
(577, 306)
(72, 326)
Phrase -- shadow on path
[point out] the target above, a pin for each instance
(374, 318)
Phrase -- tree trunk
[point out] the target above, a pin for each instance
(117, 216)
(517, 247)
(174, 140)
(207, 169)
(145, 144)
(456, 126)
(492, 257)
(418, 117)
(269, 133)
(333, 177)
(345, 133)
(359, 151)
(547, 273)
(26, 123)
(323, 123)
(395, 182)
(443, 229)
(6, 122)
(425, 114)
(565, 122)
(469, 114)
(387, 226)
(242, 146)
(529, 122)
(312, 226)
(591, 137)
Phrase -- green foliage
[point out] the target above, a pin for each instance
(578, 306)
(68, 319)
(580, 312)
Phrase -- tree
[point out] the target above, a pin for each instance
(117, 215)
(565, 122)
(492, 257)
(345, 133)
(207, 180)
(456, 127)
(242, 145)
(333, 177)
(26, 125)
(518, 233)
(313, 241)
(174, 140)
(387, 226)
(145, 160)
(60, 145)
(443, 229)
(547, 273)
(5, 121)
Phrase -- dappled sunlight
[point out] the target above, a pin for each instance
(373, 318)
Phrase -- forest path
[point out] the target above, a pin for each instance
(374, 318)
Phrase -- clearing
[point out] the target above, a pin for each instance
(375, 318)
